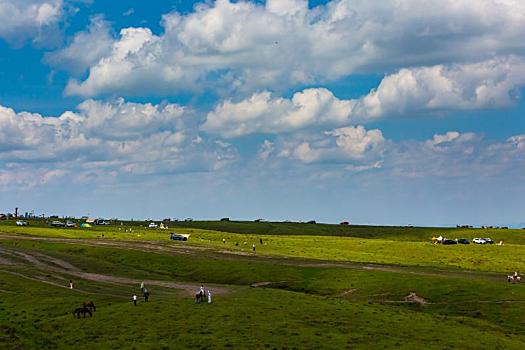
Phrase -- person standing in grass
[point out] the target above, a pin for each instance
(209, 296)
(146, 294)
(70, 284)
(142, 287)
(253, 247)
(134, 299)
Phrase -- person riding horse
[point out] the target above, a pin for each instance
(514, 278)
(89, 305)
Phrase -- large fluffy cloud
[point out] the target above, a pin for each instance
(355, 149)
(85, 49)
(410, 91)
(347, 145)
(456, 154)
(488, 84)
(242, 46)
(263, 114)
(111, 137)
(23, 19)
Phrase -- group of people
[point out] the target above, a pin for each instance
(145, 293)
(201, 295)
(245, 243)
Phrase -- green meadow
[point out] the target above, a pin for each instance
(298, 290)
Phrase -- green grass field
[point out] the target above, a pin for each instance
(298, 289)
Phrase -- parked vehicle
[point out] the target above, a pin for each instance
(448, 241)
(488, 241)
(152, 225)
(178, 237)
(21, 223)
(311, 222)
(71, 224)
(101, 222)
(463, 241)
(57, 224)
(345, 223)
(479, 241)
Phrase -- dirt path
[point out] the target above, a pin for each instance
(48, 264)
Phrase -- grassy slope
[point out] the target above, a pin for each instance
(248, 319)
(303, 317)
(384, 232)
(404, 248)
(515, 236)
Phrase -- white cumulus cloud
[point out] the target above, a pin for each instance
(24, 19)
(348, 145)
(85, 49)
(410, 91)
(245, 47)
(116, 138)
(263, 114)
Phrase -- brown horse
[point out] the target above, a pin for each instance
(82, 310)
(90, 305)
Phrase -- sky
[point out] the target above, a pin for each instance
(385, 112)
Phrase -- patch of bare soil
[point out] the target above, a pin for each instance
(261, 284)
(347, 292)
(4, 261)
(415, 299)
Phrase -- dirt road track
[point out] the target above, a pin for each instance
(51, 264)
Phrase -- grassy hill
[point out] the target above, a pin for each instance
(301, 307)
(298, 289)
(361, 231)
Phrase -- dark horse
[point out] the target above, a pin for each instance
(199, 297)
(90, 305)
(82, 310)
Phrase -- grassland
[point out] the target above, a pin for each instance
(316, 291)
(412, 247)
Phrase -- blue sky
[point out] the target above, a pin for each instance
(394, 112)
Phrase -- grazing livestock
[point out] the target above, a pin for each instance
(82, 310)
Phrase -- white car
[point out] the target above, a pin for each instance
(479, 241)
(21, 223)
(152, 225)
